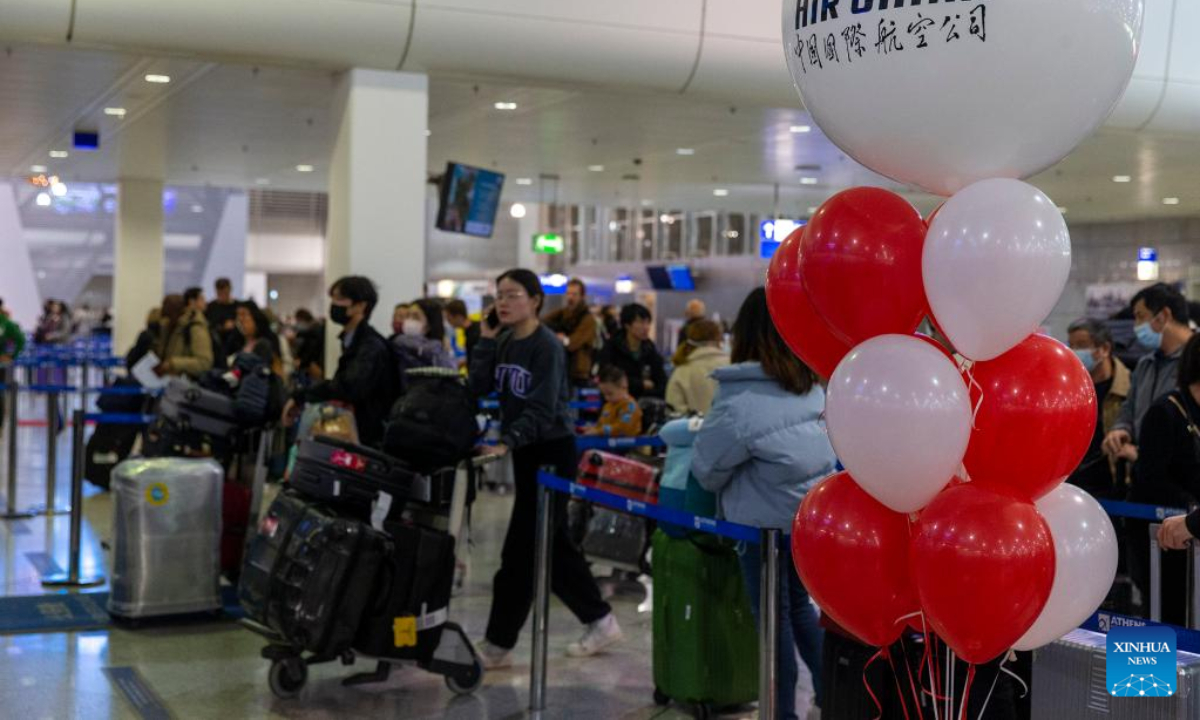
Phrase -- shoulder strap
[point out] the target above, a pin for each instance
(1187, 418)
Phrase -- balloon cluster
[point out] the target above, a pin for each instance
(952, 506)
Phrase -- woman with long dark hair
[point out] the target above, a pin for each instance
(761, 448)
(422, 334)
(526, 364)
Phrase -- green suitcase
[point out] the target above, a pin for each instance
(705, 639)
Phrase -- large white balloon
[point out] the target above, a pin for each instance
(1085, 549)
(943, 95)
(996, 260)
(899, 418)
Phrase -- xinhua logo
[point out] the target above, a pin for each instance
(1141, 662)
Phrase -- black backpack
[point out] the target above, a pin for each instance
(433, 425)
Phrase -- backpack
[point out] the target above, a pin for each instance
(433, 425)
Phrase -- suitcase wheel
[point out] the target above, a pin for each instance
(288, 677)
(467, 680)
(661, 699)
(703, 711)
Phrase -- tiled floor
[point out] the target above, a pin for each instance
(213, 669)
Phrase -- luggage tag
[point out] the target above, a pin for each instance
(404, 632)
(379, 512)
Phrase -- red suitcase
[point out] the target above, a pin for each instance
(619, 475)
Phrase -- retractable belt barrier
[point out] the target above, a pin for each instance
(1139, 511)
(768, 539)
(599, 442)
(574, 405)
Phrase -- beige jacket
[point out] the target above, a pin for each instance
(189, 347)
(691, 387)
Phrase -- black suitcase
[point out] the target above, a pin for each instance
(347, 474)
(413, 600)
(309, 574)
(108, 446)
(190, 407)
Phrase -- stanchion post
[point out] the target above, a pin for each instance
(52, 455)
(73, 578)
(11, 512)
(769, 614)
(541, 603)
(83, 384)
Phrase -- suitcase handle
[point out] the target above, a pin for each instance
(1192, 616)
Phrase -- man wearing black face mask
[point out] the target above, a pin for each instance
(366, 376)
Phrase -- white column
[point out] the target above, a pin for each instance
(377, 180)
(137, 259)
(228, 256)
(138, 242)
(18, 286)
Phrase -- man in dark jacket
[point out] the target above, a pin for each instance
(366, 376)
(634, 352)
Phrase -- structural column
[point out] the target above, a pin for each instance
(377, 180)
(138, 240)
(137, 258)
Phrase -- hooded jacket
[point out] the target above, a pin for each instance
(761, 448)
(691, 387)
(189, 346)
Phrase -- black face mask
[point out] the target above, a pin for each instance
(340, 314)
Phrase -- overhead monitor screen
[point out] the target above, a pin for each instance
(470, 197)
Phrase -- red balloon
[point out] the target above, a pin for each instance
(1036, 421)
(798, 323)
(983, 564)
(852, 554)
(861, 256)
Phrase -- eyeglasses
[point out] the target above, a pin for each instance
(509, 297)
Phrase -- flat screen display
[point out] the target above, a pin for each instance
(671, 277)
(660, 279)
(470, 197)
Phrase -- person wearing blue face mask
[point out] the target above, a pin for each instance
(1093, 344)
(1161, 325)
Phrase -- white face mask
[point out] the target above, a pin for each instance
(413, 328)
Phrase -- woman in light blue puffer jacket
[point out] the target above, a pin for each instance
(761, 448)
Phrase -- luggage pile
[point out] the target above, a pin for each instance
(356, 558)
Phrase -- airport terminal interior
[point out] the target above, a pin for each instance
(877, 395)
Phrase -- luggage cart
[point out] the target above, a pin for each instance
(437, 502)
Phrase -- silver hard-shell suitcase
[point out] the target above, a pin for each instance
(1069, 684)
(166, 537)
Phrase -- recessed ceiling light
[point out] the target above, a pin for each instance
(304, 168)
(158, 79)
(596, 168)
(685, 151)
(43, 200)
(115, 112)
(1171, 201)
(808, 181)
(262, 181)
(59, 154)
(721, 192)
(524, 181)
(666, 218)
(197, 208)
(517, 210)
(801, 128)
(58, 189)
(1122, 178)
(37, 168)
(505, 106)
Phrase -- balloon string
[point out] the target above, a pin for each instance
(912, 685)
(962, 709)
(951, 688)
(967, 367)
(896, 678)
(867, 684)
(1014, 676)
(988, 699)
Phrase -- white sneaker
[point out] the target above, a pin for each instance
(494, 657)
(603, 633)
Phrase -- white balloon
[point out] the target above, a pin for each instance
(899, 418)
(996, 260)
(1085, 549)
(943, 95)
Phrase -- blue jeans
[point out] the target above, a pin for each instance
(799, 627)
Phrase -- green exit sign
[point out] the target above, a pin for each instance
(549, 244)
